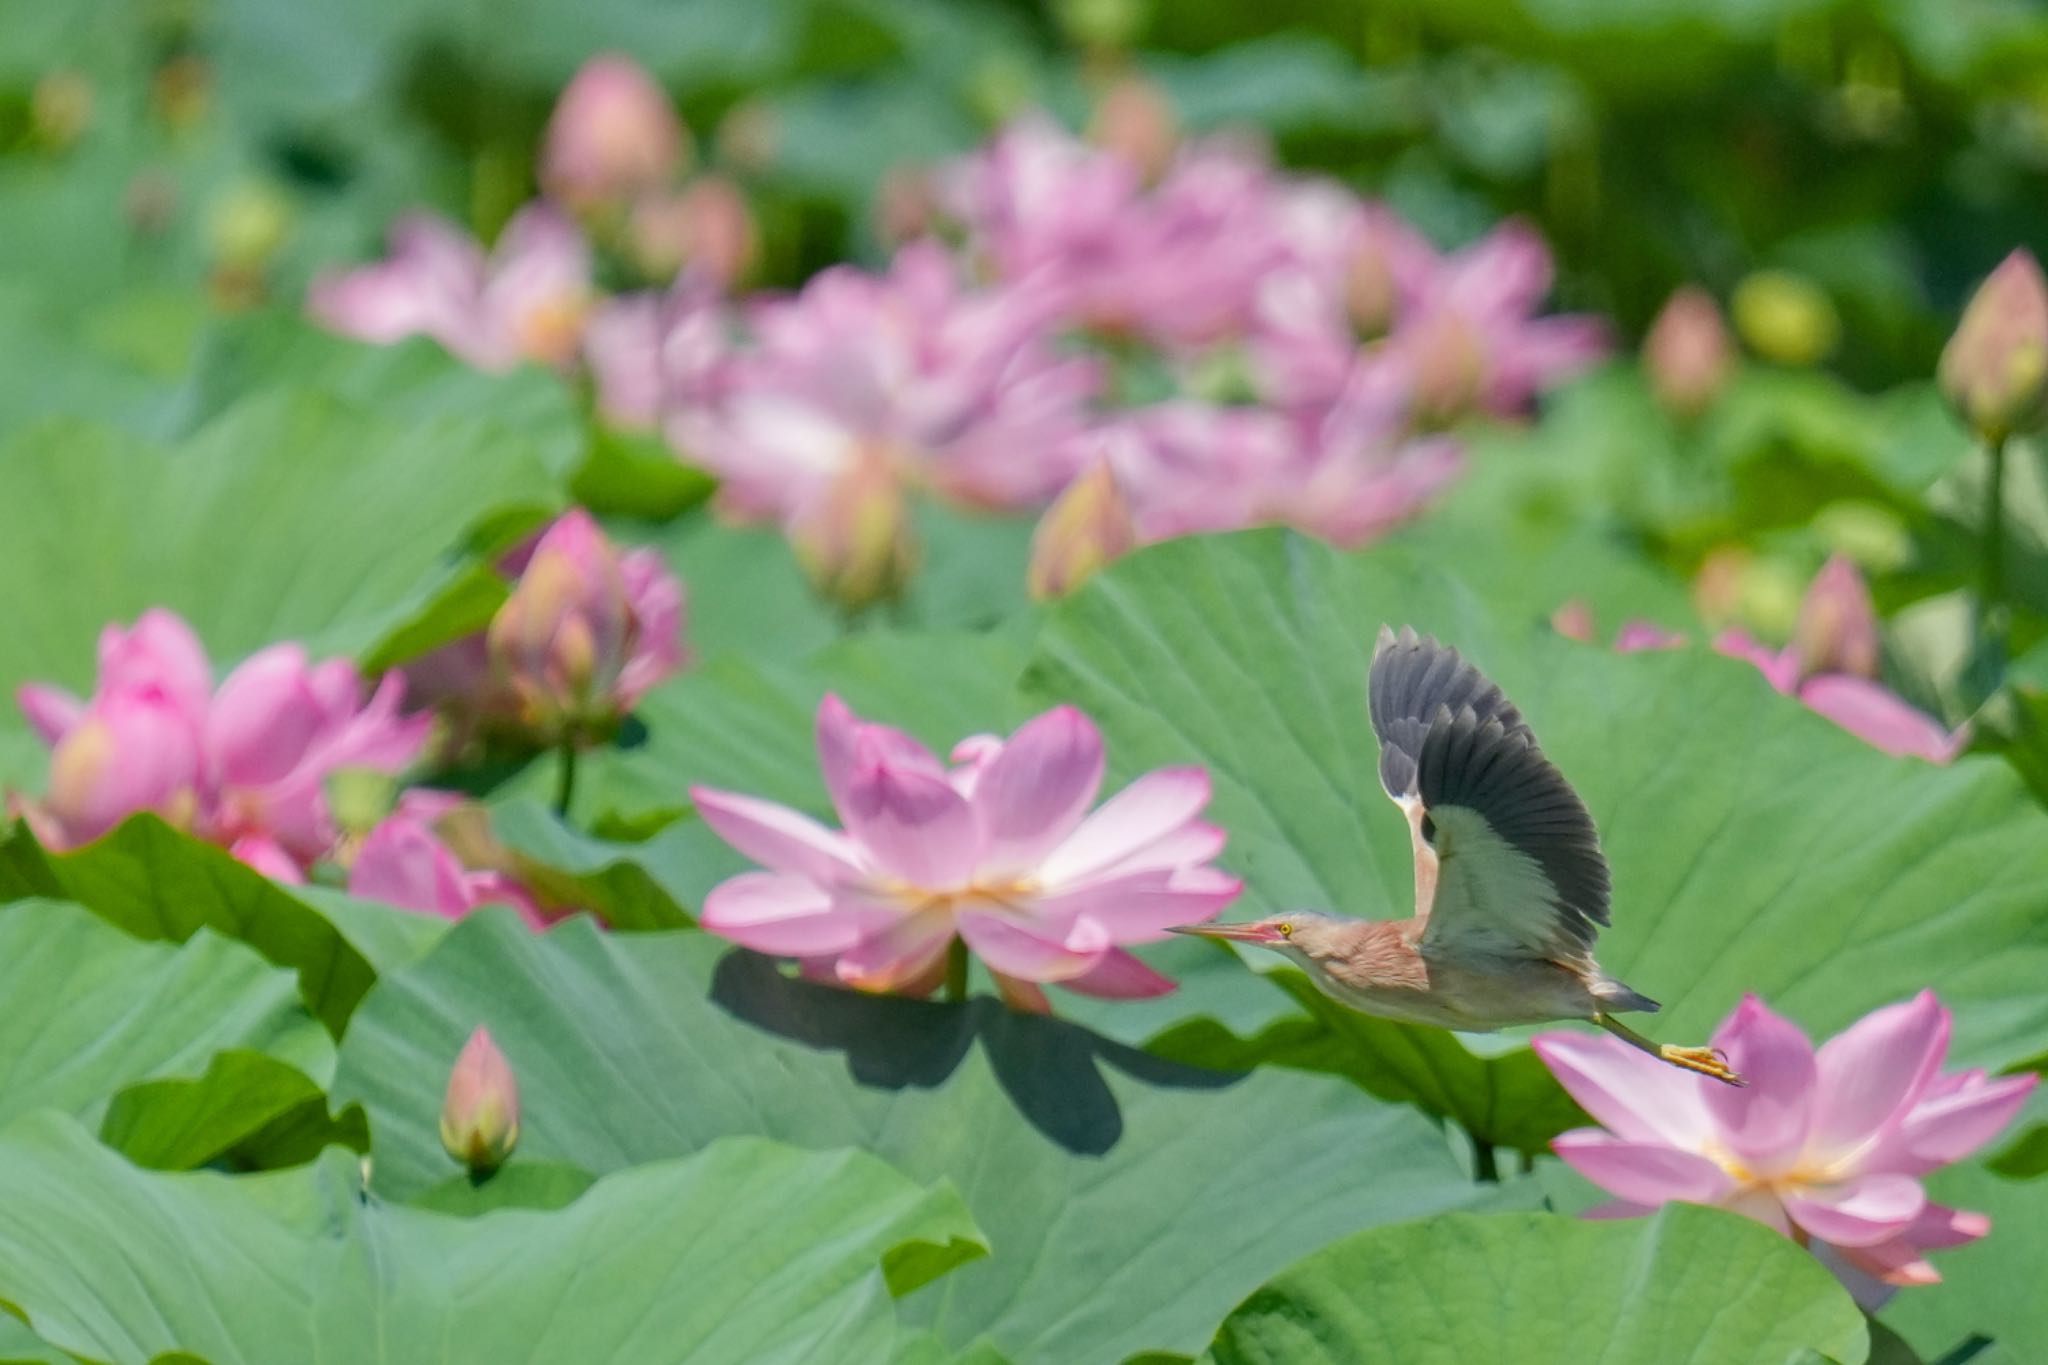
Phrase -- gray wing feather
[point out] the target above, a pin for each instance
(1451, 738)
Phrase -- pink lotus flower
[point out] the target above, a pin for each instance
(402, 862)
(526, 301)
(1348, 472)
(948, 389)
(245, 767)
(612, 135)
(1831, 666)
(1461, 329)
(1178, 264)
(652, 355)
(1688, 353)
(586, 633)
(1000, 850)
(1825, 1147)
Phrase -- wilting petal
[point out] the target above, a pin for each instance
(1025, 951)
(1632, 1094)
(1858, 1212)
(1120, 976)
(778, 837)
(1150, 808)
(1033, 792)
(1871, 1072)
(910, 822)
(1949, 1126)
(51, 711)
(774, 912)
(1764, 1123)
(1642, 1172)
(1140, 907)
(1871, 713)
(907, 953)
(1780, 669)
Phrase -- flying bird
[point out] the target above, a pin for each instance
(1510, 885)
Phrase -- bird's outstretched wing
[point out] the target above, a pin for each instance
(1519, 870)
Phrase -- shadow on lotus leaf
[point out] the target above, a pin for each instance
(1056, 1073)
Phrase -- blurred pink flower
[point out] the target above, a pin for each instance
(587, 632)
(652, 355)
(403, 863)
(1688, 353)
(1574, 620)
(1348, 472)
(245, 767)
(954, 390)
(1460, 330)
(1825, 1147)
(1000, 850)
(1831, 665)
(1178, 264)
(706, 226)
(613, 134)
(526, 301)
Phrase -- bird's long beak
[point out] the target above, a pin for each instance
(1236, 933)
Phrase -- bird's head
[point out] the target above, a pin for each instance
(1304, 935)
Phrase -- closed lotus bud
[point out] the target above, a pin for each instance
(1086, 527)
(1837, 627)
(561, 640)
(1786, 318)
(1136, 121)
(60, 109)
(1688, 352)
(480, 1116)
(906, 205)
(1448, 368)
(1574, 621)
(706, 226)
(855, 539)
(613, 134)
(1995, 368)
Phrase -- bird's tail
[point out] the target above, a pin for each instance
(1616, 996)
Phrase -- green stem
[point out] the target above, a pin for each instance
(956, 970)
(1992, 617)
(565, 777)
(1528, 1163)
(1485, 1167)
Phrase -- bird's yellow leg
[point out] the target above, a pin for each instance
(1707, 1061)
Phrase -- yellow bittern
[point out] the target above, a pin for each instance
(1510, 883)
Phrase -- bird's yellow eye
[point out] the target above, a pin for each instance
(1284, 929)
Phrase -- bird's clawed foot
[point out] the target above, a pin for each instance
(1708, 1061)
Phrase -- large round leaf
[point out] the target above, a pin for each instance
(91, 1010)
(293, 516)
(746, 1251)
(1692, 1286)
(1755, 846)
(1128, 1200)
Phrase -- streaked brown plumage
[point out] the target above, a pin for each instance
(1511, 887)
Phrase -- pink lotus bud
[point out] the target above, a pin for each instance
(1448, 368)
(1688, 352)
(1837, 627)
(1135, 120)
(613, 134)
(562, 638)
(1995, 368)
(1574, 621)
(707, 226)
(480, 1117)
(1085, 528)
(855, 538)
